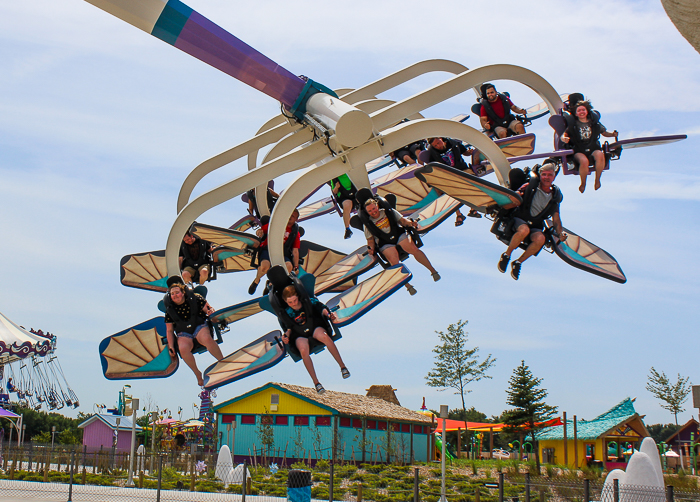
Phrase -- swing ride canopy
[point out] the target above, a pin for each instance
(17, 343)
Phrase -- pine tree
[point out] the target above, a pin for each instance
(455, 365)
(528, 399)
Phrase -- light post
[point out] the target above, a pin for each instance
(24, 428)
(154, 417)
(53, 435)
(134, 407)
(443, 414)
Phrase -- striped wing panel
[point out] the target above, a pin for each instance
(144, 271)
(585, 255)
(245, 223)
(540, 109)
(435, 213)
(137, 352)
(344, 270)
(466, 188)
(357, 301)
(257, 356)
(236, 312)
(232, 239)
(648, 141)
(515, 146)
(232, 260)
(318, 208)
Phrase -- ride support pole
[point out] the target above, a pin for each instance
(527, 487)
(500, 486)
(243, 481)
(416, 484)
(70, 484)
(330, 483)
(586, 490)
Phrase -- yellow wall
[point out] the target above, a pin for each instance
(558, 445)
(259, 403)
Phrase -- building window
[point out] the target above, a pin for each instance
(281, 420)
(405, 427)
(381, 425)
(395, 427)
(345, 422)
(323, 421)
(248, 419)
(418, 429)
(301, 420)
(371, 424)
(357, 423)
(266, 419)
(228, 419)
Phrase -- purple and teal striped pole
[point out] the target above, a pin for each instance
(177, 24)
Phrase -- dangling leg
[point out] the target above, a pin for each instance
(204, 337)
(582, 170)
(303, 348)
(323, 337)
(185, 345)
(599, 158)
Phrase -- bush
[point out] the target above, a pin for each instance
(323, 466)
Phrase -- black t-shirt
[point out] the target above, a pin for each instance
(184, 310)
(451, 156)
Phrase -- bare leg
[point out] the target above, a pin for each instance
(185, 345)
(391, 255)
(186, 277)
(537, 243)
(518, 237)
(599, 158)
(582, 170)
(518, 128)
(321, 335)
(262, 270)
(408, 246)
(303, 348)
(347, 212)
(203, 275)
(204, 337)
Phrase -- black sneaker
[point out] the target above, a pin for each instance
(503, 263)
(319, 388)
(252, 288)
(348, 233)
(515, 270)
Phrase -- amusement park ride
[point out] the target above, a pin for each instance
(327, 134)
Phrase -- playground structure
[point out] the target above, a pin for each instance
(328, 133)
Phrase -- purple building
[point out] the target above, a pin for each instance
(683, 442)
(99, 432)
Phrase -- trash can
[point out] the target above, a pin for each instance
(299, 486)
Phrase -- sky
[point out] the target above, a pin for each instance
(100, 123)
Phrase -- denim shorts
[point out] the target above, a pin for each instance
(185, 334)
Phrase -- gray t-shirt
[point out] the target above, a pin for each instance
(382, 222)
(539, 201)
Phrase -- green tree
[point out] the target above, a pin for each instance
(661, 432)
(456, 366)
(266, 433)
(529, 409)
(672, 394)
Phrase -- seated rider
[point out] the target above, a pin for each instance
(195, 259)
(305, 320)
(495, 115)
(449, 152)
(344, 192)
(583, 134)
(540, 201)
(292, 243)
(385, 229)
(409, 153)
(186, 316)
(272, 197)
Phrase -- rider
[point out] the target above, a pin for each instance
(344, 192)
(540, 201)
(449, 152)
(304, 320)
(186, 316)
(409, 153)
(292, 243)
(386, 228)
(195, 259)
(272, 197)
(495, 115)
(583, 133)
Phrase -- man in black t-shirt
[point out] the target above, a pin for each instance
(195, 259)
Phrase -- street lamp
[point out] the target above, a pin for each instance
(134, 407)
(53, 435)
(154, 417)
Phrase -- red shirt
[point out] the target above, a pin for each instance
(295, 245)
(497, 107)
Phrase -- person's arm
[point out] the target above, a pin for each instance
(207, 309)
(170, 333)
(295, 258)
(609, 134)
(485, 123)
(336, 188)
(371, 246)
(558, 227)
(518, 110)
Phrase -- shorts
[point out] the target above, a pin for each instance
(517, 222)
(265, 255)
(195, 273)
(402, 238)
(513, 124)
(340, 198)
(192, 336)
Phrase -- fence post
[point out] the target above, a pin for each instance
(500, 486)
(70, 484)
(616, 490)
(669, 493)
(330, 484)
(359, 492)
(244, 485)
(160, 477)
(586, 490)
(416, 482)
(527, 487)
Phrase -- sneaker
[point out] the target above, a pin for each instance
(319, 388)
(503, 263)
(345, 372)
(474, 214)
(251, 289)
(411, 289)
(348, 233)
(515, 270)
(436, 277)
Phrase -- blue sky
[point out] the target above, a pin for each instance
(100, 123)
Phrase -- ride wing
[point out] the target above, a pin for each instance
(352, 304)
(411, 193)
(245, 223)
(319, 208)
(341, 274)
(540, 109)
(226, 237)
(647, 141)
(236, 312)
(263, 353)
(515, 146)
(584, 255)
(468, 189)
(144, 271)
(435, 213)
(138, 352)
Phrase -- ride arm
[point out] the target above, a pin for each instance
(557, 225)
(170, 334)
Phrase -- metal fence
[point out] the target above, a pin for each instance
(66, 475)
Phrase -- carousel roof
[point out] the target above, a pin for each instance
(17, 343)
